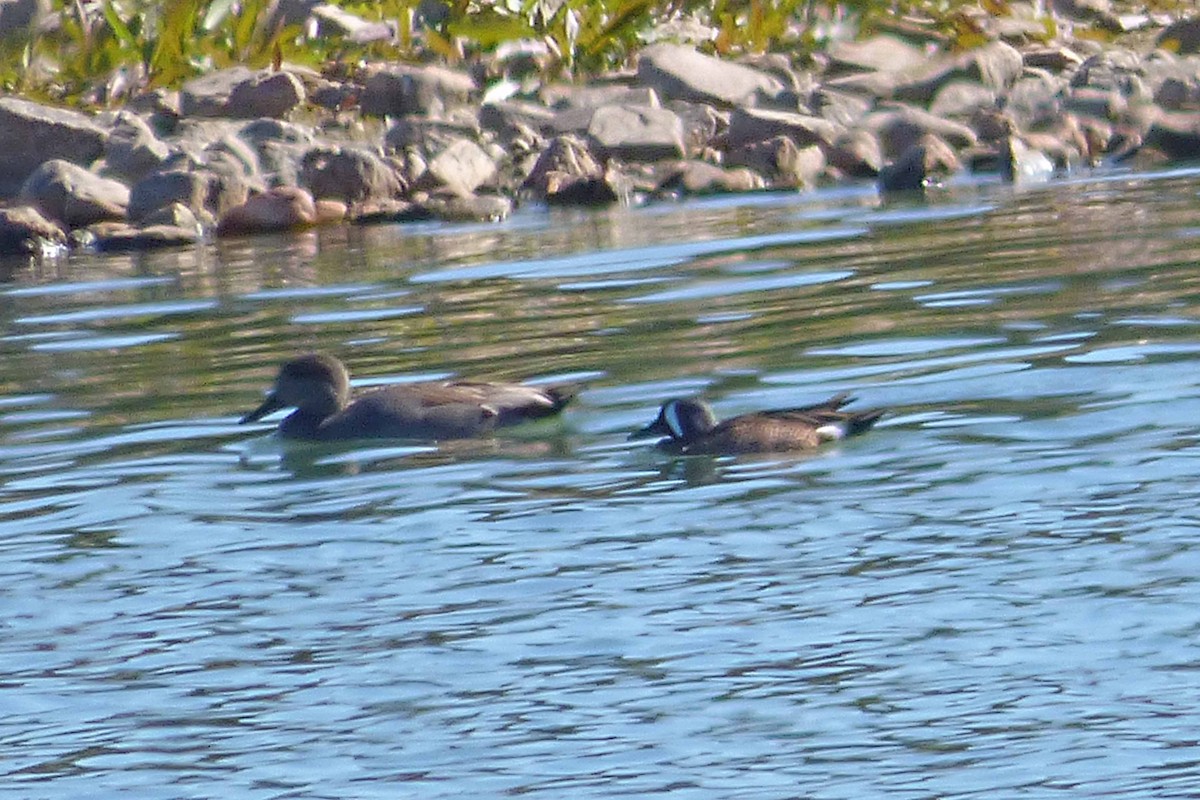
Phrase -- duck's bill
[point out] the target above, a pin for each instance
(270, 405)
(656, 428)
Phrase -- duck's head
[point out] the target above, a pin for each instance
(315, 383)
(679, 419)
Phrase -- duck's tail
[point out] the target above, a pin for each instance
(561, 394)
(861, 421)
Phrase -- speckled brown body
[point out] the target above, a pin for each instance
(688, 426)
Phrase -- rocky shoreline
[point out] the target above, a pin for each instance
(241, 151)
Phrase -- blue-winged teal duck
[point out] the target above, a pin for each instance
(318, 386)
(688, 426)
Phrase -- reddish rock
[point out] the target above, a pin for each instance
(281, 209)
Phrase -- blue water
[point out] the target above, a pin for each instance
(993, 594)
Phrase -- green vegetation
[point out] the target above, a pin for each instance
(96, 52)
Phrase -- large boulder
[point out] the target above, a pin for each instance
(241, 93)
(677, 72)
(462, 167)
(996, 66)
(284, 208)
(927, 162)
(24, 230)
(353, 175)
(31, 133)
(748, 125)
(637, 133)
(161, 189)
(879, 53)
(73, 195)
(132, 150)
(400, 89)
(19, 18)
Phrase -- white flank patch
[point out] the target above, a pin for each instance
(832, 432)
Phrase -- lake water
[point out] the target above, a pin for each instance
(995, 593)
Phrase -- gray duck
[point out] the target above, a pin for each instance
(318, 387)
(689, 426)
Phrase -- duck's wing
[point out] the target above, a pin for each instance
(500, 398)
(827, 419)
(449, 409)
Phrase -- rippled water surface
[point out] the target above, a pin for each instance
(993, 594)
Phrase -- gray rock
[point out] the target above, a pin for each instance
(839, 108)
(267, 94)
(856, 154)
(208, 95)
(1035, 98)
(400, 89)
(873, 85)
(161, 189)
(612, 187)
(120, 237)
(331, 95)
(1056, 58)
(275, 130)
(702, 123)
(1099, 103)
(901, 128)
(700, 177)
(879, 53)
(427, 134)
(382, 212)
(961, 99)
(239, 92)
(637, 133)
(1111, 70)
(462, 167)
(1064, 147)
(508, 116)
(682, 73)
(783, 163)
(1021, 164)
(748, 125)
(779, 65)
(279, 163)
(23, 230)
(73, 195)
(18, 18)
(31, 133)
(228, 183)
(132, 151)
(1182, 37)
(351, 174)
(995, 66)
(1097, 13)
(469, 208)
(233, 154)
(175, 215)
(993, 125)
(925, 163)
(566, 157)
(292, 12)
(561, 96)
(1176, 133)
